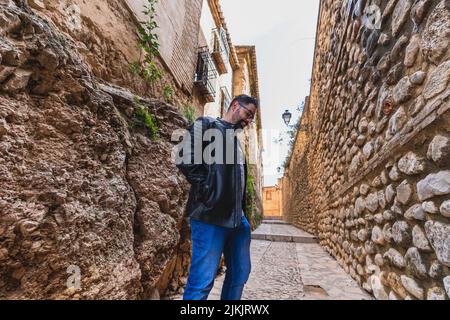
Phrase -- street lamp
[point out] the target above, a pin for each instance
(287, 117)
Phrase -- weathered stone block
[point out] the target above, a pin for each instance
(398, 48)
(438, 234)
(411, 164)
(415, 212)
(397, 121)
(390, 193)
(395, 258)
(388, 215)
(403, 90)
(404, 192)
(417, 78)
(412, 287)
(362, 235)
(418, 12)
(420, 240)
(395, 283)
(415, 264)
(372, 202)
(435, 35)
(447, 285)
(437, 81)
(412, 50)
(379, 260)
(439, 149)
(401, 233)
(434, 184)
(436, 270)
(377, 236)
(445, 208)
(378, 289)
(400, 15)
(364, 189)
(436, 293)
(430, 207)
(394, 74)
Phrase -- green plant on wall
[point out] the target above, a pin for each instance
(251, 199)
(290, 135)
(146, 66)
(168, 93)
(189, 113)
(143, 118)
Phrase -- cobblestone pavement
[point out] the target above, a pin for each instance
(280, 229)
(294, 271)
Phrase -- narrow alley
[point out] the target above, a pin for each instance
(342, 110)
(289, 264)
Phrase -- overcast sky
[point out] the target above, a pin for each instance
(283, 33)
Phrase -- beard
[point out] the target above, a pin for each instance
(237, 120)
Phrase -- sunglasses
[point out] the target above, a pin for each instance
(250, 115)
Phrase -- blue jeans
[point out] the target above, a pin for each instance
(208, 244)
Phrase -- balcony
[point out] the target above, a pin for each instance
(221, 50)
(206, 75)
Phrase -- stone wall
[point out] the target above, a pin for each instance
(295, 185)
(105, 36)
(80, 185)
(371, 173)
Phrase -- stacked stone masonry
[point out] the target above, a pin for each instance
(371, 175)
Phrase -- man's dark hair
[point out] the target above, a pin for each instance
(245, 99)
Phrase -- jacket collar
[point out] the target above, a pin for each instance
(229, 125)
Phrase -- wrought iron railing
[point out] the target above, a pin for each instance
(206, 74)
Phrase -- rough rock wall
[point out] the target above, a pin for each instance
(79, 185)
(377, 149)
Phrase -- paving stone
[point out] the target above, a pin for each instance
(292, 271)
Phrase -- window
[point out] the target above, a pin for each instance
(221, 50)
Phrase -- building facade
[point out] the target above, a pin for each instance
(273, 201)
(217, 61)
(196, 48)
(246, 81)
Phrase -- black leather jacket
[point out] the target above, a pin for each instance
(216, 196)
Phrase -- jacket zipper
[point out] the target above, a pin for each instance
(238, 182)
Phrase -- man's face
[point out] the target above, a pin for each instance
(243, 114)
